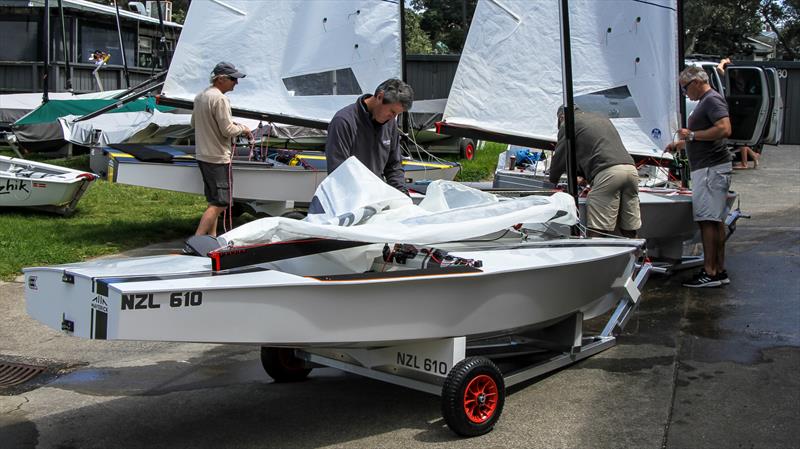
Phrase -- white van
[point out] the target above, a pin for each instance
(754, 102)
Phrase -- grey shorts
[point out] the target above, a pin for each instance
(614, 200)
(710, 187)
(215, 183)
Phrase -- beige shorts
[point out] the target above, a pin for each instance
(614, 199)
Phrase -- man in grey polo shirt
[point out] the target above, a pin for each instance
(710, 161)
(368, 130)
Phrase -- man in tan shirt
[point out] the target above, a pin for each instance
(213, 129)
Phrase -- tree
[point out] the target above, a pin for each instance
(445, 22)
(720, 27)
(783, 17)
(417, 42)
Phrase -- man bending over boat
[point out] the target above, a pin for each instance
(603, 161)
(213, 130)
(368, 130)
(704, 140)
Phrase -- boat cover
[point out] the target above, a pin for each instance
(354, 204)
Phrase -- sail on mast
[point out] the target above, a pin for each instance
(509, 81)
(303, 60)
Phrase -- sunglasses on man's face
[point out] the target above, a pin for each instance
(686, 86)
(233, 78)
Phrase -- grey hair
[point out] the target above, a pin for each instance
(396, 91)
(213, 78)
(692, 73)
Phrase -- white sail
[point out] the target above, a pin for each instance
(304, 59)
(624, 59)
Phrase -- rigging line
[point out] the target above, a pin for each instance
(656, 5)
(516, 18)
(225, 5)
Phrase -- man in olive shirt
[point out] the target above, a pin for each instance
(214, 128)
(603, 161)
(710, 161)
(368, 130)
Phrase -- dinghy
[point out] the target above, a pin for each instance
(25, 183)
(369, 283)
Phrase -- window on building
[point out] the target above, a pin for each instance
(93, 37)
(20, 40)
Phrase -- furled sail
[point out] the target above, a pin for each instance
(302, 59)
(624, 56)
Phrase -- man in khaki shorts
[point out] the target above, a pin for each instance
(603, 161)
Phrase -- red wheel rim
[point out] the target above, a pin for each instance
(469, 152)
(480, 399)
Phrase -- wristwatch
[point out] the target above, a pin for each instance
(691, 136)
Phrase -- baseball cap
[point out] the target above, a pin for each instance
(226, 68)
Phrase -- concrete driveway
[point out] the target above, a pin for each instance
(716, 368)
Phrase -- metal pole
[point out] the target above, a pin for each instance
(121, 49)
(163, 40)
(68, 74)
(569, 108)
(684, 169)
(403, 68)
(46, 44)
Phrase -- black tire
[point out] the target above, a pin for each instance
(295, 215)
(466, 149)
(282, 365)
(238, 209)
(473, 395)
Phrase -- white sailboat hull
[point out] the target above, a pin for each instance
(26, 183)
(251, 180)
(175, 298)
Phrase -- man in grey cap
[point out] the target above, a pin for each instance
(214, 128)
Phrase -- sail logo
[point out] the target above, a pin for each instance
(14, 185)
(656, 133)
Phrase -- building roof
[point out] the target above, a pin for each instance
(85, 5)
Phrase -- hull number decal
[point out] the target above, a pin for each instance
(423, 364)
(139, 301)
(185, 299)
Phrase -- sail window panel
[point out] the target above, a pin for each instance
(616, 102)
(331, 82)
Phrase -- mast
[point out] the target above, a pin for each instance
(569, 109)
(68, 74)
(683, 167)
(163, 40)
(403, 67)
(46, 45)
(121, 47)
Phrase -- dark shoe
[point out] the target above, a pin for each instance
(723, 278)
(701, 280)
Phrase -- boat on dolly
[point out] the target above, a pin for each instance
(424, 296)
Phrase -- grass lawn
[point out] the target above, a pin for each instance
(113, 217)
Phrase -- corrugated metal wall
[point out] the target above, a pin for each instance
(431, 75)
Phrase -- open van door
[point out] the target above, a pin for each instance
(713, 76)
(747, 94)
(774, 129)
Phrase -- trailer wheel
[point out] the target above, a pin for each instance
(473, 396)
(467, 149)
(282, 365)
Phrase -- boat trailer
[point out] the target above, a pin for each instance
(470, 376)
